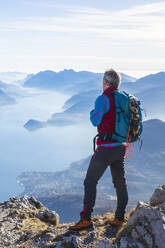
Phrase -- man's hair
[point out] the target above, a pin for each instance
(112, 77)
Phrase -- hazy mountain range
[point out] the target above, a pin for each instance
(5, 99)
(144, 172)
(9, 92)
(149, 89)
(69, 81)
(9, 77)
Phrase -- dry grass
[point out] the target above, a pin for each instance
(34, 224)
(101, 223)
(131, 212)
(31, 223)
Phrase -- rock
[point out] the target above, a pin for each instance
(36, 203)
(128, 242)
(145, 226)
(104, 243)
(91, 236)
(25, 222)
(77, 242)
(20, 223)
(158, 196)
(48, 216)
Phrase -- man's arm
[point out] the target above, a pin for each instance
(102, 106)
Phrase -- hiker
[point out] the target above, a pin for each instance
(109, 152)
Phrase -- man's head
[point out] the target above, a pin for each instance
(111, 78)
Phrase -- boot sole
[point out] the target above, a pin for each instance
(116, 225)
(89, 228)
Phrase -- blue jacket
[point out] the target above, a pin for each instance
(102, 106)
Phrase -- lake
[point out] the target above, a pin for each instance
(47, 149)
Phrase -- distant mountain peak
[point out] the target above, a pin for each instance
(154, 121)
(151, 78)
(127, 78)
(69, 70)
(45, 72)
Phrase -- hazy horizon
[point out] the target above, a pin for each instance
(136, 75)
(48, 149)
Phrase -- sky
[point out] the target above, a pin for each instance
(88, 35)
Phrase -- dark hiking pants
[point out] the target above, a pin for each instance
(104, 157)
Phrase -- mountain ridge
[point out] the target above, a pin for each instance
(76, 109)
(68, 80)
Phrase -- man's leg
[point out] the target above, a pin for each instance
(119, 181)
(97, 167)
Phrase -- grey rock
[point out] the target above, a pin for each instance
(149, 239)
(19, 213)
(158, 196)
(104, 243)
(128, 242)
(146, 226)
(59, 246)
(36, 203)
(77, 242)
(48, 216)
(25, 220)
(91, 236)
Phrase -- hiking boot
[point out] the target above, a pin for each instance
(82, 225)
(116, 222)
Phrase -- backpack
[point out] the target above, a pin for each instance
(128, 123)
(128, 120)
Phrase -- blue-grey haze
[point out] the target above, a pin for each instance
(54, 148)
(49, 149)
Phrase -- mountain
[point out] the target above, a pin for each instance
(153, 102)
(9, 77)
(65, 81)
(26, 222)
(12, 89)
(149, 82)
(69, 81)
(144, 172)
(148, 89)
(5, 99)
(76, 110)
(83, 97)
(126, 78)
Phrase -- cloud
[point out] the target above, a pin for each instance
(146, 9)
(131, 38)
(144, 22)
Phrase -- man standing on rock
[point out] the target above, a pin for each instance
(109, 153)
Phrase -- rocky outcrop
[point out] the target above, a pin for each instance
(146, 227)
(158, 196)
(22, 219)
(26, 223)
